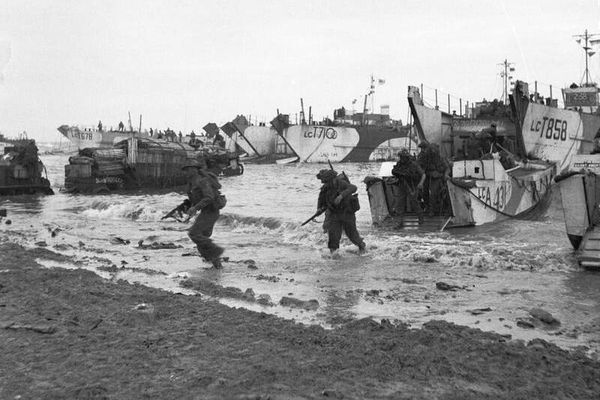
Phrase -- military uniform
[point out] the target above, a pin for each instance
(410, 178)
(203, 190)
(339, 214)
(436, 170)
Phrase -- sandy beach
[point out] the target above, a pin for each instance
(69, 334)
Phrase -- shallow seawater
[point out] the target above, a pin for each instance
(508, 268)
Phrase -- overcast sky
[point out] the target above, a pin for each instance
(182, 64)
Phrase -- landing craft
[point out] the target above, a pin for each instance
(97, 137)
(480, 192)
(348, 138)
(580, 195)
(452, 130)
(21, 169)
(489, 182)
(260, 143)
(557, 134)
(138, 163)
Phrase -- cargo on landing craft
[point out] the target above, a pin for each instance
(138, 163)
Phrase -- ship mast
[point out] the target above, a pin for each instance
(372, 94)
(587, 47)
(505, 74)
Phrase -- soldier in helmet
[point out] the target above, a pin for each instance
(335, 200)
(437, 171)
(203, 192)
(410, 178)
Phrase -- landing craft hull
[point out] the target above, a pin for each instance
(555, 134)
(447, 130)
(259, 142)
(91, 138)
(572, 193)
(137, 164)
(508, 194)
(320, 144)
(263, 139)
(489, 194)
(580, 196)
(21, 169)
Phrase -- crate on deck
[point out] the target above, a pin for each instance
(103, 154)
(109, 168)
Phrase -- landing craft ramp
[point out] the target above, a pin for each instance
(588, 254)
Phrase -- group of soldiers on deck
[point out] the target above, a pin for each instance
(171, 136)
(419, 181)
(419, 184)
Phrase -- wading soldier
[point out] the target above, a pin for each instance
(203, 192)
(411, 178)
(335, 198)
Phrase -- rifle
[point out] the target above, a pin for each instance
(315, 215)
(177, 212)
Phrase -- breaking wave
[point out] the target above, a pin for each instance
(522, 246)
(264, 224)
(131, 210)
(445, 250)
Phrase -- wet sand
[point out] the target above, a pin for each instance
(67, 334)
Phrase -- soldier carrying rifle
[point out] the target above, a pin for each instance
(204, 196)
(337, 201)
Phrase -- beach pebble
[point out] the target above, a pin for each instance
(264, 299)
(543, 316)
(295, 303)
(525, 324)
(249, 295)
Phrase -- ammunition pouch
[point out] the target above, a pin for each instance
(221, 201)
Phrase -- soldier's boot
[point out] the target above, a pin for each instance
(216, 260)
(216, 263)
(362, 249)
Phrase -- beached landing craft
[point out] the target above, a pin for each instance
(483, 189)
(261, 143)
(142, 164)
(557, 134)
(348, 138)
(580, 195)
(451, 130)
(480, 192)
(21, 169)
(358, 137)
(92, 137)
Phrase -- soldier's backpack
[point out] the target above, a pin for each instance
(221, 200)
